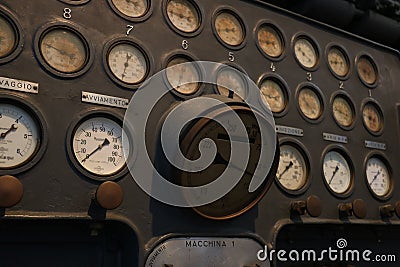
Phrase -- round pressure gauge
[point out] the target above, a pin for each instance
(378, 177)
(183, 15)
(270, 41)
(8, 37)
(343, 111)
(19, 136)
(310, 103)
(306, 52)
(97, 146)
(229, 28)
(131, 8)
(273, 94)
(127, 63)
(367, 70)
(338, 61)
(230, 83)
(183, 77)
(63, 50)
(292, 171)
(337, 172)
(372, 117)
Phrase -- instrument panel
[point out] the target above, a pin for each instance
(69, 68)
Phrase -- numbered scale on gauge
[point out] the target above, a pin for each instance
(131, 8)
(183, 15)
(292, 170)
(19, 136)
(337, 172)
(97, 146)
(305, 52)
(378, 177)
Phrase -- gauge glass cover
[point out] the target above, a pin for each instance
(229, 28)
(337, 173)
(183, 15)
(367, 70)
(231, 84)
(292, 170)
(183, 77)
(309, 103)
(131, 8)
(273, 95)
(378, 177)
(338, 62)
(305, 52)
(372, 118)
(7, 38)
(270, 41)
(342, 111)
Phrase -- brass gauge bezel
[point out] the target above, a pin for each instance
(199, 13)
(228, 65)
(78, 32)
(280, 34)
(307, 160)
(285, 90)
(141, 18)
(9, 17)
(239, 18)
(375, 104)
(313, 43)
(346, 155)
(374, 66)
(36, 115)
(321, 99)
(140, 47)
(382, 157)
(349, 101)
(75, 2)
(345, 54)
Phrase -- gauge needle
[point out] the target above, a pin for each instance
(286, 169)
(375, 177)
(334, 173)
(12, 128)
(105, 142)
(62, 52)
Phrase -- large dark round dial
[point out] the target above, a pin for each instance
(239, 199)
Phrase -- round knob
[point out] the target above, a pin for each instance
(109, 195)
(359, 208)
(314, 207)
(11, 190)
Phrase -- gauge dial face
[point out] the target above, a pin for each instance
(372, 118)
(231, 84)
(270, 41)
(183, 15)
(7, 37)
(127, 63)
(309, 103)
(338, 62)
(183, 77)
(63, 50)
(305, 53)
(19, 137)
(337, 172)
(229, 28)
(378, 177)
(97, 146)
(367, 70)
(292, 170)
(342, 111)
(131, 8)
(273, 95)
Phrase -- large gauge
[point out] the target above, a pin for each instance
(273, 93)
(8, 37)
(97, 146)
(19, 136)
(183, 15)
(337, 172)
(183, 77)
(131, 8)
(310, 103)
(230, 83)
(306, 52)
(229, 28)
(378, 177)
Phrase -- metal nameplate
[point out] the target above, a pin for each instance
(206, 251)
(19, 85)
(105, 100)
(375, 145)
(289, 130)
(335, 138)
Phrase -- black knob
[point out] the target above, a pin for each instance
(387, 211)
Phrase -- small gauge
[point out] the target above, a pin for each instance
(372, 117)
(338, 61)
(19, 136)
(131, 8)
(183, 15)
(270, 41)
(367, 70)
(231, 84)
(127, 63)
(273, 95)
(97, 146)
(378, 177)
(229, 28)
(343, 111)
(183, 77)
(337, 172)
(310, 103)
(8, 37)
(305, 52)
(63, 50)
(292, 170)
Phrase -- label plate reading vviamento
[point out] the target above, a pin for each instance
(105, 100)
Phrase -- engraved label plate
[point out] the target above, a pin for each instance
(375, 145)
(19, 85)
(335, 138)
(289, 130)
(105, 100)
